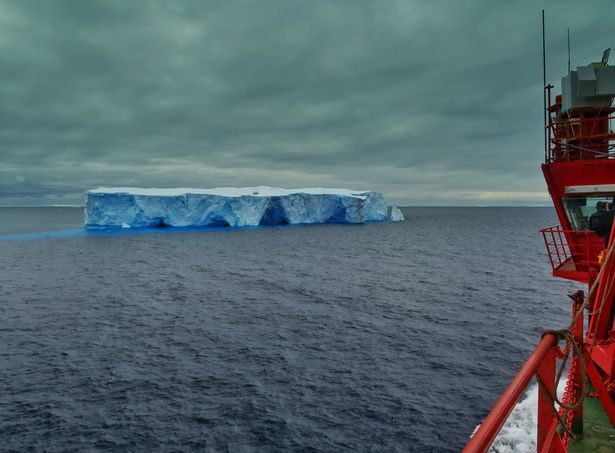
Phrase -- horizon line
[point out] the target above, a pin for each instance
(390, 206)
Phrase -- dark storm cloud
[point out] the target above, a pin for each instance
(435, 102)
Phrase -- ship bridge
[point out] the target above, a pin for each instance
(579, 167)
(579, 170)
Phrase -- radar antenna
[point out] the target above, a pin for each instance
(605, 56)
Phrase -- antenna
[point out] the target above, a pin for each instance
(605, 56)
(568, 49)
(544, 84)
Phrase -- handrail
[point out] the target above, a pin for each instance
(557, 246)
(581, 245)
(569, 139)
(576, 119)
(489, 429)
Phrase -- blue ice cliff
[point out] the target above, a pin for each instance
(129, 207)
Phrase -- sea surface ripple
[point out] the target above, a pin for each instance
(379, 337)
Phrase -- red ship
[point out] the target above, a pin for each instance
(579, 169)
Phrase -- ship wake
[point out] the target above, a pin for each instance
(518, 435)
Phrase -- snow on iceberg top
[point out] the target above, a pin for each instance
(259, 191)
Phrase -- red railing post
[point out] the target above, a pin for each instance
(546, 392)
(577, 417)
(558, 243)
(544, 236)
(587, 241)
(565, 246)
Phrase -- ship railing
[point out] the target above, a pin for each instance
(551, 436)
(542, 363)
(580, 249)
(557, 245)
(576, 137)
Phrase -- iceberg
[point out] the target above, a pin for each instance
(130, 207)
(396, 215)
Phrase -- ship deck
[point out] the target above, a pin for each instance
(598, 434)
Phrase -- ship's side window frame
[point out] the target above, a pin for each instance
(580, 207)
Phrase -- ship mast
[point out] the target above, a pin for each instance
(579, 169)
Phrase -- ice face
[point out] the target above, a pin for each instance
(250, 206)
(396, 215)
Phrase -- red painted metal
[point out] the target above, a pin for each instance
(576, 387)
(580, 143)
(602, 356)
(557, 246)
(488, 430)
(552, 442)
(574, 260)
(549, 439)
(560, 175)
(541, 363)
(584, 134)
(579, 151)
(546, 374)
(598, 325)
(601, 389)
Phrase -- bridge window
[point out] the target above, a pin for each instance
(580, 207)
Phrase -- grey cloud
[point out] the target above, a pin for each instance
(426, 101)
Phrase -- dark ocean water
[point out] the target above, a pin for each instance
(380, 337)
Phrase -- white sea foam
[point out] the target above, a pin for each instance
(518, 435)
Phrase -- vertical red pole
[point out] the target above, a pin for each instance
(577, 417)
(587, 239)
(546, 374)
(558, 243)
(598, 325)
(545, 235)
(611, 236)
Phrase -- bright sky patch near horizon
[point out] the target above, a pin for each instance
(431, 103)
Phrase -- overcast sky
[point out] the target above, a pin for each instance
(429, 102)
